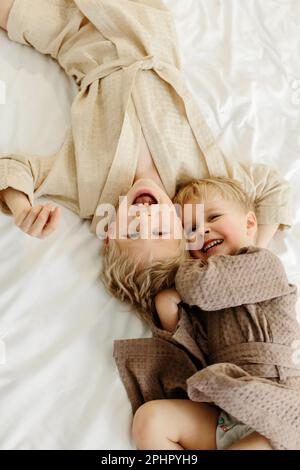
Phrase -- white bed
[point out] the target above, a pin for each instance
(59, 386)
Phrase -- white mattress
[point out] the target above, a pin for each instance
(59, 386)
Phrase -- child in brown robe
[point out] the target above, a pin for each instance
(233, 309)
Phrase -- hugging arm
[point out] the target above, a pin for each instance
(253, 275)
(166, 304)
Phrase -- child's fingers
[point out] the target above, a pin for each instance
(21, 216)
(41, 220)
(30, 218)
(52, 223)
(38, 221)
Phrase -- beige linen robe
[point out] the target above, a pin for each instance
(123, 55)
(235, 345)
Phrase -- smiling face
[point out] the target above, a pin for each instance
(146, 224)
(227, 227)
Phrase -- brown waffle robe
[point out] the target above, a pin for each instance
(235, 345)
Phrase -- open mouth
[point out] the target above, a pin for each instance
(145, 198)
(211, 245)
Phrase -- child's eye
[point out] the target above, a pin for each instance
(133, 236)
(215, 216)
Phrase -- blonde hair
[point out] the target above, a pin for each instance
(205, 188)
(135, 283)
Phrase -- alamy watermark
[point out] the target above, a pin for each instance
(151, 222)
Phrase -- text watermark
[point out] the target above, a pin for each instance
(151, 222)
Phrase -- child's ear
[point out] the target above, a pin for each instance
(251, 224)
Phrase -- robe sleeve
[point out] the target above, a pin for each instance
(36, 175)
(44, 25)
(223, 281)
(49, 27)
(23, 173)
(270, 192)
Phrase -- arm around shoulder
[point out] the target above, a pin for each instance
(166, 304)
(251, 276)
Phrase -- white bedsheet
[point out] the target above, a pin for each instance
(59, 386)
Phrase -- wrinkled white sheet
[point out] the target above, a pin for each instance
(59, 387)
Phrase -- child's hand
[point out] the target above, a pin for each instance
(38, 221)
(166, 304)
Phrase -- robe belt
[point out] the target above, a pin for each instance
(174, 77)
(257, 353)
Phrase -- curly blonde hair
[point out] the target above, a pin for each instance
(136, 283)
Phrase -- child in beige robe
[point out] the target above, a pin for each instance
(132, 96)
(134, 125)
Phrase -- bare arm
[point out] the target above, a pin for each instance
(15, 200)
(166, 303)
(5, 7)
